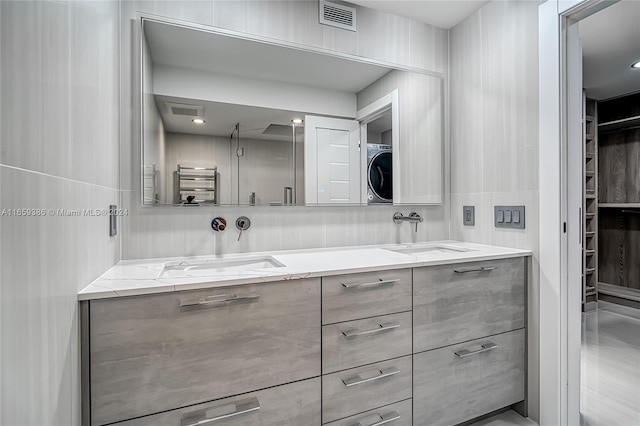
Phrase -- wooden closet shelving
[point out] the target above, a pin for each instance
(590, 203)
(619, 199)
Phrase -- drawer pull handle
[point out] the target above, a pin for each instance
(384, 419)
(381, 327)
(486, 347)
(480, 269)
(370, 284)
(243, 407)
(357, 380)
(216, 301)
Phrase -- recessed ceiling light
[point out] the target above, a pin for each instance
(198, 121)
(636, 66)
(297, 121)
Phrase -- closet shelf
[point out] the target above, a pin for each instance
(619, 205)
(619, 291)
(590, 191)
(620, 124)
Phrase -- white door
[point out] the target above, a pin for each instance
(331, 160)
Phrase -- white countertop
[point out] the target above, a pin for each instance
(139, 277)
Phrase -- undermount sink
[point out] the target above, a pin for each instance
(429, 249)
(203, 268)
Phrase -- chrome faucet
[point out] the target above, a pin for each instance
(413, 218)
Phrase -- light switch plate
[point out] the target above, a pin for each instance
(468, 215)
(509, 217)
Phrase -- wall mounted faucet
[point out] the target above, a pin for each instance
(413, 218)
(242, 223)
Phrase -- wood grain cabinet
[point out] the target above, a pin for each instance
(469, 340)
(296, 403)
(398, 414)
(457, 303)
(353, 296)
(460, 382)
(161, 352)
(366, 346)
(365, 388)
(436, 345)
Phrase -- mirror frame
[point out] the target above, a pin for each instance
(137, 85)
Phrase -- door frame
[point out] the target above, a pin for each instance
(366, 115)
(560, 219)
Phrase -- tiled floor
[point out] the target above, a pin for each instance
(610, 370)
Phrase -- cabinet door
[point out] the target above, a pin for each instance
(461, 302)
(364, 388)
(293, 404)
(461, 382)
(161, 352)
(354, 296)
(353, 343)
(398, 414)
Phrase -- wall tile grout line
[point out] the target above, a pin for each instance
(58, 177)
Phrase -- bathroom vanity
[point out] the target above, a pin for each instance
(398, 335)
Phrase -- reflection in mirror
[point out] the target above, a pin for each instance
(218, 123)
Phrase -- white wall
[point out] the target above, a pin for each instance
(155, 232)
(59, 150)
(192, 84)
(420, 148)
(154, 134)
(494, 137)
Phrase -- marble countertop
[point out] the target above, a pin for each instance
(139, 277)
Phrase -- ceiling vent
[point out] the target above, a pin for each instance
(337, 15)
(185, 109)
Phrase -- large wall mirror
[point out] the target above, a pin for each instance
(233, 121)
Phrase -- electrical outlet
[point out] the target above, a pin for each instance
(468, 215)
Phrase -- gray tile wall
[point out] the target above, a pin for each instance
(494, 136)
(58, 150)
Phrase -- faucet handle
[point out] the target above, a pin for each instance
(242, 223)
(397, 217)
(416, 216)
(416, 219)
(218, 224)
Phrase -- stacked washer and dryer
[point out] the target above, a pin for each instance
(379, 174)
(379, 160)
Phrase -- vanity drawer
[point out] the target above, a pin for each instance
(365, 388)
(162, 352)
(354, 296)
(293, 404)
(354, 343)
(398, 414)
(461, 302)
(455, 384)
